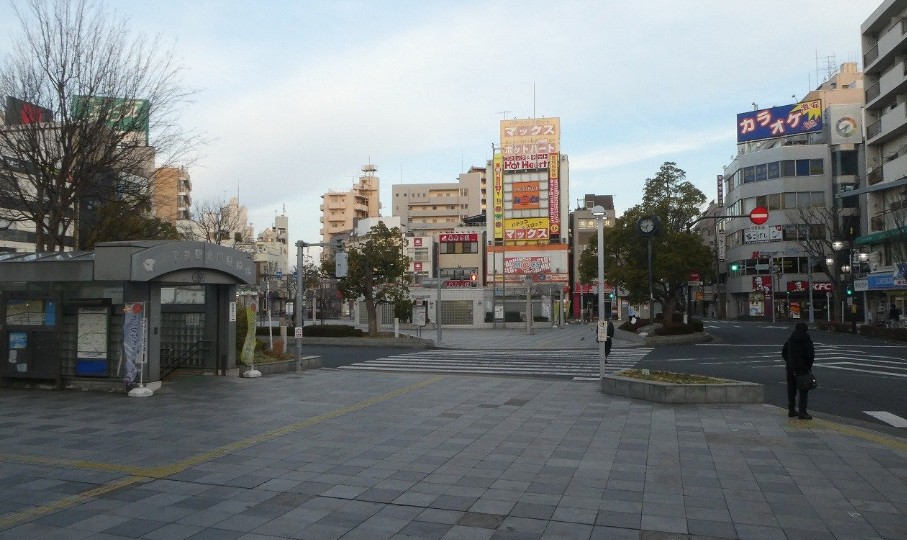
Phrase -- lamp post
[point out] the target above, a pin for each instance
(599, 213)
(838, 245)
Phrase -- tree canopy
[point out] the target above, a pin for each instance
(377, 268)
(676, 252)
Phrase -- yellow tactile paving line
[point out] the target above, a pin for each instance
(145, 474)
(887, 441)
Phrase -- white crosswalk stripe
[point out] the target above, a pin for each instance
(875, 360)
(572, 364)
(888, 418)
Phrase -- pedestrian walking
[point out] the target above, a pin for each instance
(894, 314)
(798, 353)
(609, 338)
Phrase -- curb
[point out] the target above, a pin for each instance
(676, 394)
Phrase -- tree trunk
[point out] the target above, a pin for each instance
(372, 313)
(667, 315)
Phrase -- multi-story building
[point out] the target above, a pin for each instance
(172, 194)
(340, 210)
(527, 223)
(436, 208)
(583, 228)
(796, 162)
(884, 200)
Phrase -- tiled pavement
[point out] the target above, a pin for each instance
(346, 454)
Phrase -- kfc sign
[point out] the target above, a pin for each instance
(762, 284)
(803, 286)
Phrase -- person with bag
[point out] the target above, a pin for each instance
(798, 353)
(609, 338)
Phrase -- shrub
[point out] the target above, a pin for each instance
(630, 327)
(834, 326)
(676, 329)
(331, 330)
(884, 332)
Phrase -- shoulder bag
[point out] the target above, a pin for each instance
(806, 381)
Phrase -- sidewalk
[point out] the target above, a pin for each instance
(352, 454)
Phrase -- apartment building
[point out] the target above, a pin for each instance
(172, 197)
(884, 199)
(340, 210)
(431, 209)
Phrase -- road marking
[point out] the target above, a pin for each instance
(888, 418)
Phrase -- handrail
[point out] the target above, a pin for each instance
(180, 361)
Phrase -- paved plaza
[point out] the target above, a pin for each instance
(356, 454)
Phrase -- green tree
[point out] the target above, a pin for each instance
(377, 271)
(676, 251)
(122, 220)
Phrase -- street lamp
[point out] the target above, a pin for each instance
(599, 213)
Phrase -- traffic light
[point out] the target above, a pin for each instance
(849, 290)
(612, 296)
(734, 267)
(474, 279)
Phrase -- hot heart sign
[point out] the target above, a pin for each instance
(759, 215)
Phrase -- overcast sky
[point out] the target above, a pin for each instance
(297, 96)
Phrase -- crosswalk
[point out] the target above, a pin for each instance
(570, 364)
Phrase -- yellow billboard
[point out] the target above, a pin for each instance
(526, 229)
(530, 137)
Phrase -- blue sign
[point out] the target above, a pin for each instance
(781, 121)
(885, 281)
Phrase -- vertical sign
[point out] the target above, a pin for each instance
(720, 190)
(498, 215)
(133, 339)
(554, 194)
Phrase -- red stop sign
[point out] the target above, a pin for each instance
(759, 215)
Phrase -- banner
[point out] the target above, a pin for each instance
(554, 194)
(498, 199)
(133, 340)
(781, 121)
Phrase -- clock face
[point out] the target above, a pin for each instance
(646, 225)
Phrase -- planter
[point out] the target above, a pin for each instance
(674, 393)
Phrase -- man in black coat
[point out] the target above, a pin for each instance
(798, 353)
(609, 339)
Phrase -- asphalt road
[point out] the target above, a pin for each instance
(859, 378)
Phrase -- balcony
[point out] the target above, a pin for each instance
(892, 123)
(873, 92)
(885, 91)
(895, 165)
(890, 44)
(874, 176)
(871, 55)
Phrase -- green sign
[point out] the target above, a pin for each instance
(126, 115)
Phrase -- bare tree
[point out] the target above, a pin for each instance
(217, 222)
(816, 228)
(91, 106)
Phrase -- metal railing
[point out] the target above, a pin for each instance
(169, 364)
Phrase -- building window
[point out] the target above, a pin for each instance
(787, 168)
